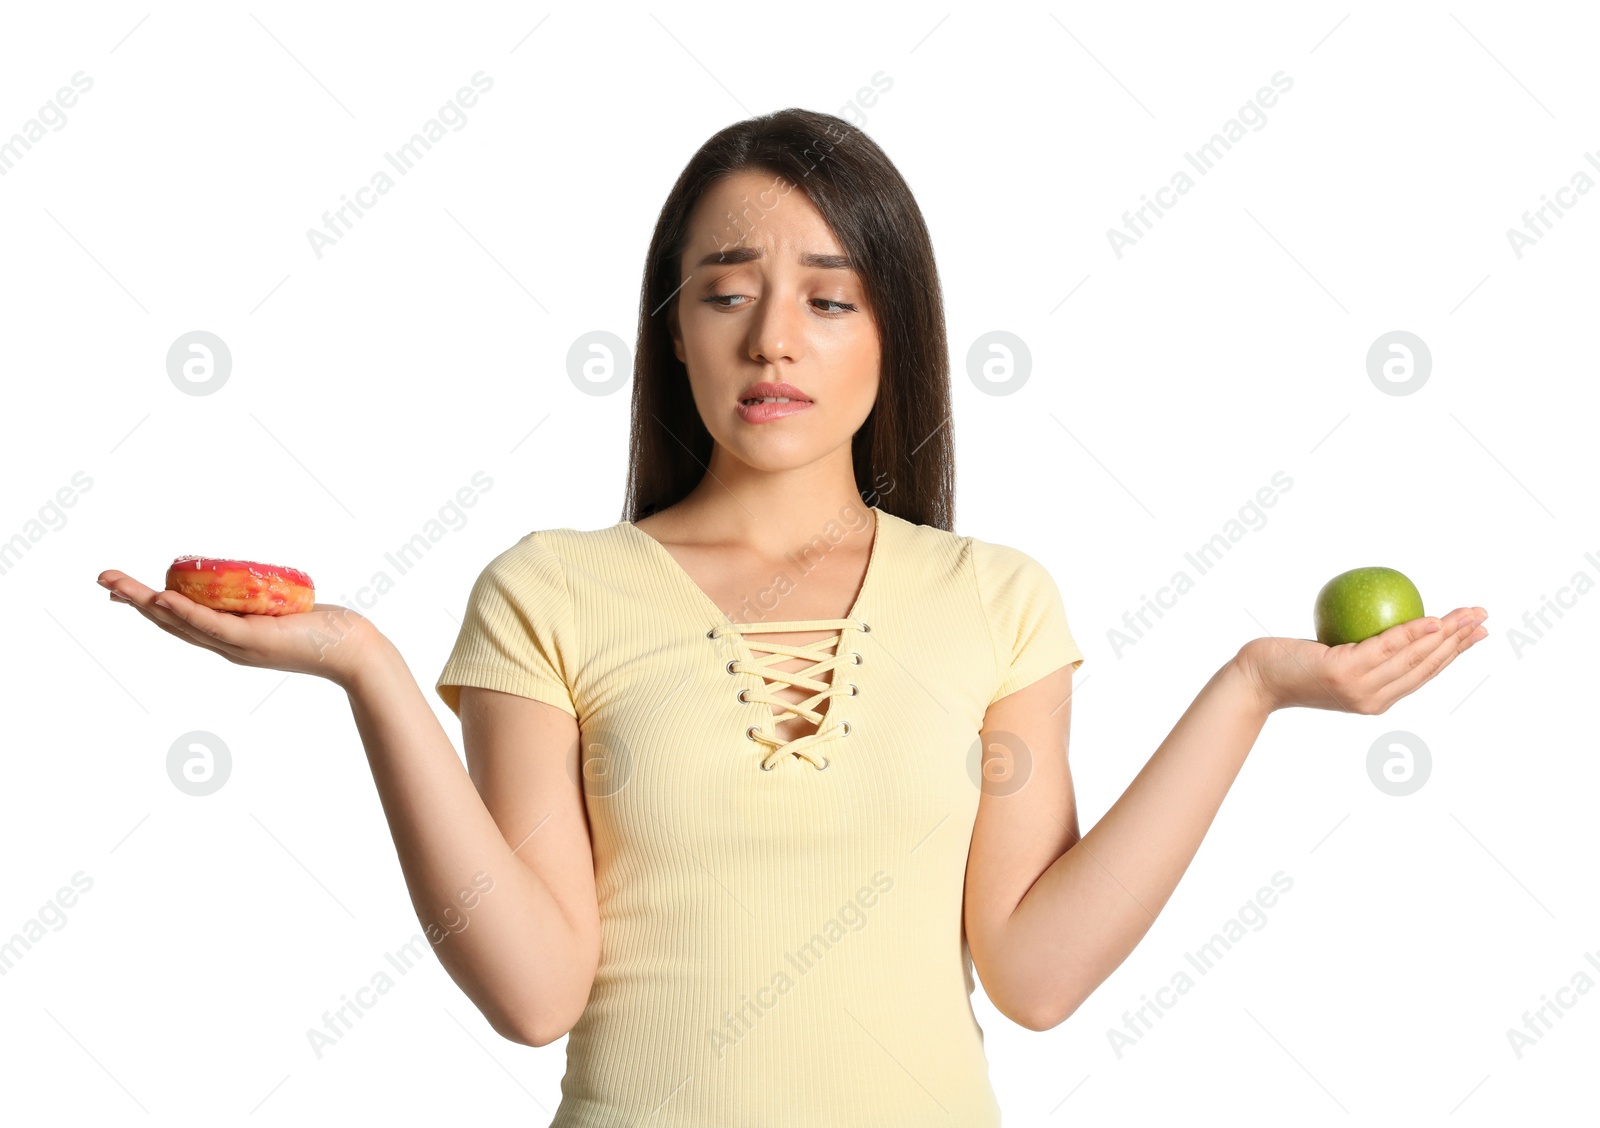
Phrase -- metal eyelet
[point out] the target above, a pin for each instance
(731, 661)
(712, 633)
(750, 733)
(742, 697)
(857, 655)
(824, 765)
(765, 767)
(866, 628)
(854, 689)
(845, 725)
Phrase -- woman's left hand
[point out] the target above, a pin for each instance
(1359, 677)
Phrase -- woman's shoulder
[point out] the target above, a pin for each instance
(1004, 570)
(987, 557)
(566, 542)
(562, 551)
(914, 538)
(997, 557)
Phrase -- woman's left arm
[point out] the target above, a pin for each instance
(1049, 914)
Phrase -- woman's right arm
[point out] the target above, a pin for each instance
(511, 839)
(497, 862)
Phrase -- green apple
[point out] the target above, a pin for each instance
(1363, 602)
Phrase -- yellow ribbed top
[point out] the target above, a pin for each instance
(779, 946)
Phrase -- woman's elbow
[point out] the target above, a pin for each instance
(1033, 1020)
(528, 1033)
(1032, 1001)
(537, 1038)
(1041, 1015)
(530, 1028)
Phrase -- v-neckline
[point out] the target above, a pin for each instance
(671, 563)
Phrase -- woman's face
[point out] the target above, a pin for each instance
(781, 305)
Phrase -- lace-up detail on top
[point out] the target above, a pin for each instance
(825, 657)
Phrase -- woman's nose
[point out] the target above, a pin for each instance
(775, 331)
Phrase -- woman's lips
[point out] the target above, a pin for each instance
(764, 412)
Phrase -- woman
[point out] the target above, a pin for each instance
(759, 775)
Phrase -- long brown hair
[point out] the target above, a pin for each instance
(904, 452)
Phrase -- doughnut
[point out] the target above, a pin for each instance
(241, 585)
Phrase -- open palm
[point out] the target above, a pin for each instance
(325, 641)
(1361, 677)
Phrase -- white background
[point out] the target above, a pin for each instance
(370, 384)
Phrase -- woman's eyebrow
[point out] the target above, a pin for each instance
(736, 255)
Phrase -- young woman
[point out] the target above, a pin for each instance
(762, 773)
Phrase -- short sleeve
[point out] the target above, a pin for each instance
(1027, 620)
(517, 635)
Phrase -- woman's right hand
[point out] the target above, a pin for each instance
(328, 641)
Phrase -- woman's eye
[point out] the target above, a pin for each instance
(719, 301)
